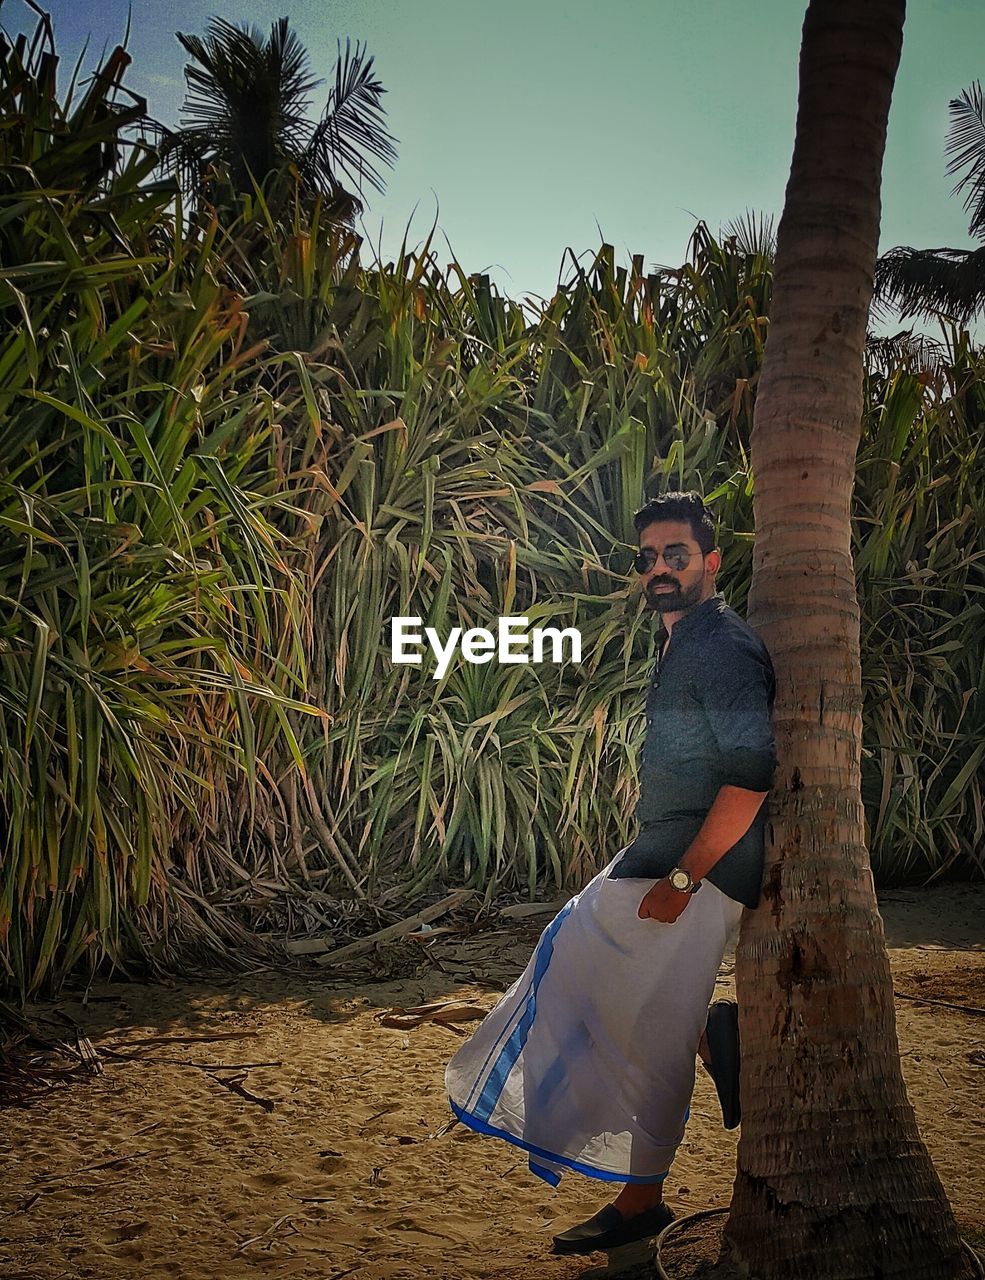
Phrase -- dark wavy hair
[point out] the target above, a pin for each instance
(679, 506)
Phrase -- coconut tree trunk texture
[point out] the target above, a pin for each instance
(833, 1179)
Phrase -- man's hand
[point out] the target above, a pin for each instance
(663, 902)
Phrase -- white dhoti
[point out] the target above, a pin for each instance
(588, 1061)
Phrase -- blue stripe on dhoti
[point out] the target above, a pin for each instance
(510, 1053)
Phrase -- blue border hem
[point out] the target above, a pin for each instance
(604, 1175)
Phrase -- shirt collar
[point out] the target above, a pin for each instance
(701, 617)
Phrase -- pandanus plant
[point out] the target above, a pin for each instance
(149, 641)
(223, 472)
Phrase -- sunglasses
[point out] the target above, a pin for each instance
(676, 558)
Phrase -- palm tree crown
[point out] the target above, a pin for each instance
(246, 116)
(944, 281)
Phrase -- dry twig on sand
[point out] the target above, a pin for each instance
(941, 1004)
(236, 1084)
(113, 1162)
(274, 1226)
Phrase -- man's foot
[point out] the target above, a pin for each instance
(608, 1229)
(722, 1039)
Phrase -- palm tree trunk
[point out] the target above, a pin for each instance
(833, 1179)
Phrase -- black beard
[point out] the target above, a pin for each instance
(679, 600)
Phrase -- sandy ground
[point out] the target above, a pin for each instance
(337, 1161)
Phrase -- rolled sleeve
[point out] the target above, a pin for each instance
(738, 701)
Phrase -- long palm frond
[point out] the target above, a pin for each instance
(945, 282)
(949, 282)
(907, 351)
(184, 153)
(352, 125)
(966, 147)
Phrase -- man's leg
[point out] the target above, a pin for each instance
(635, 1197)
(720, 1053)
(638, 1211)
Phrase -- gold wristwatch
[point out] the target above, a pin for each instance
(683, 881)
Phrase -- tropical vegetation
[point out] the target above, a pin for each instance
(222, 472)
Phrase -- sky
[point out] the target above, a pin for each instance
(527, 127)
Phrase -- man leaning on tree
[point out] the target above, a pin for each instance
(588, 1061)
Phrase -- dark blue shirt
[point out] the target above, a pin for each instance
(708, 724)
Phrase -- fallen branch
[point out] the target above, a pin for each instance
(113, 1163)
(83, 1050)
(235, 1085)
(24, 1205)
(183, 1062)
(215, 1035)
(397, 930)
(230, 1066)
(446, 1013)
(308, 946)
(941, 1004)
(269, 1231)
(24, 1076)
(152, 1041)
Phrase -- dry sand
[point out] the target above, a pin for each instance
(339, 1162)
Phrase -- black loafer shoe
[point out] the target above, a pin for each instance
(722, 1034)
(609, 1229)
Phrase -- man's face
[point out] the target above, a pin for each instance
(669, 588)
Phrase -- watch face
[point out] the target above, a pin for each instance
(681, 880)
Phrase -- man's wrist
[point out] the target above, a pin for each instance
(681, 880)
